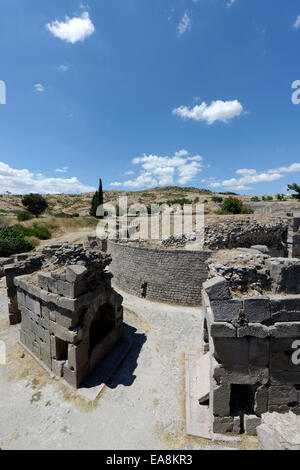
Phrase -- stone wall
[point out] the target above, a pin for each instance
(23, 264)
(251, 341)
(71, 318)
(227, 234)
(166, 276)
(293, 240)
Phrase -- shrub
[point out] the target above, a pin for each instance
(217, 199)
(24, 215)
(75, 215)
(41, 232)
(12, 242)
(280, 197)
(181, 201)
(38, 231)
(35, 203)
(232, 205)
(255, 199)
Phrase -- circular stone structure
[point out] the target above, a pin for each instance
(172, 276)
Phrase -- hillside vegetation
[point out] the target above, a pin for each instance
(79, 204)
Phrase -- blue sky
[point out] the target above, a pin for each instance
(147, 93)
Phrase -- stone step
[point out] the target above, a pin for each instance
(197, 416)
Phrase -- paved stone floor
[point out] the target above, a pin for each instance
(141, 407)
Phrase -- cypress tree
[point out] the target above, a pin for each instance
(98, 200)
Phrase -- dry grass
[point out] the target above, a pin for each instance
(80, 203)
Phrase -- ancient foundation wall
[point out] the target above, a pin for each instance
(251, 341)
(172, 276)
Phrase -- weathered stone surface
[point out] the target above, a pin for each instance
(217, 288)
(75, 273)
(222, 330)
(225, 310)
(251, 422)
(279, 431)
(282, 395)
(254, 329)
(222, 425)
(232, 351)
(259, 352)
(257, 309)
(219, 399)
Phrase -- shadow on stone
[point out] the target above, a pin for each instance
(125, 373)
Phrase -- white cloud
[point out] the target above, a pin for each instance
(62, 170)
(184, 25)
(296, 25)
(230, 3)
(63, 68)
(72, 29)
(217, 111)
(24, 181)
(38, 87)
(247, 177)
(164, 171)
(129, 173)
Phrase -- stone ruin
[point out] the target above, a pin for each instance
(250, 338)
(71, 316)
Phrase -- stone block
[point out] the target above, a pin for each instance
(57, 367)
(254, 329)
(282, 395)
(66, 318)
(257, 309)
(241, 375)
(231, 350)
(75, 273)
(222, 425)
(74, 378)
(285, 330)
(78, 354)
(70, 336)
(279, 361)
(219, 399)
(43, 280)
(33, 305)
(251, 423)
(285, 378)
(222, 330)
(261, 400)
(217, 288)
(285, 308)
(225, 310)
(259, 352)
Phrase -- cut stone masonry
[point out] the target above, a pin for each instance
(251, 341)
(71, 318)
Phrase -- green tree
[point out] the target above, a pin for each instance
(35, 203)
(97, 201)
(232, 205)
(294, 187)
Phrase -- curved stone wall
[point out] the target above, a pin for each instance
(172, 276)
